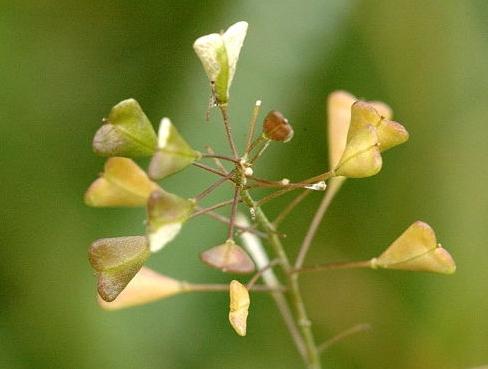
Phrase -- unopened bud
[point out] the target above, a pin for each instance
(238, 307)
(228, 257)
(276, 127)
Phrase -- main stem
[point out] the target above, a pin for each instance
(312, 357)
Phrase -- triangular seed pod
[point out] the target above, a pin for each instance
(147, 286)
(416, 250)
(238, 307)
(219, 54)
(122, 184)
(166, 215)
(228, 257)
(339, 105)
(116, 261)
(361, 157)
(173, 153)
(390, 133)
(125, 132)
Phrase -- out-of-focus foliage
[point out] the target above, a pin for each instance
(63, 64)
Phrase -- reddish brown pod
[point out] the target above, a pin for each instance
(276, 127)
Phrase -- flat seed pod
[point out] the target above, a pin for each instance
(122, 184)
(116, 261)
(238, 307)
(228, 257)
(361, 157)
(219, 54)
(166, 215)
(147, 286)
(173, 153)
(389, 133)
(416, 250)
(125, 132)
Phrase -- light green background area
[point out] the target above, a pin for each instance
(63, 64)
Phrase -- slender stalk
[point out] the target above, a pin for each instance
(222, 157)
(342, 335)
(252, 126)
(255, 248)
(201, 211)
(314, 225)
(260, 272)
(226, 220)
(209, 169)
(304, 324)
(217, 287)
(219, 164)
(228, 130)
(258, 141)
(294, 186)
(211, 188)
(334, 266)
(235, 200)
(260, 152)
(289, 208)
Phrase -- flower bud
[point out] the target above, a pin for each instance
(166, 215)
(416, 250)
(361, 157)
(173, 153)
(219, 54)
(147, 286)
(276, 127)
(238, 307)
(116, 261)
(228, 257)
(126, 132)
(122, 183)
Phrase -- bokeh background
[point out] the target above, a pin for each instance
(63, 64)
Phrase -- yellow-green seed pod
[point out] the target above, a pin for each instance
(361, 157)
(173, 153)
(166, 214)
(238, 307)
(125, 132)
(416, 250)
(122, 184)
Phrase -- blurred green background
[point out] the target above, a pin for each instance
(63, 64)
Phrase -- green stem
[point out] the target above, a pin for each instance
(312, 357)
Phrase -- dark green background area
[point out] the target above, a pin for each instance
(63, 64)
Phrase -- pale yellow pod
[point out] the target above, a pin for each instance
(122, 184)
(238, 307)
(147, 286)
(416, 250)
(361, 157)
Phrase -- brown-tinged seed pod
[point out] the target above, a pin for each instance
(276, 127)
